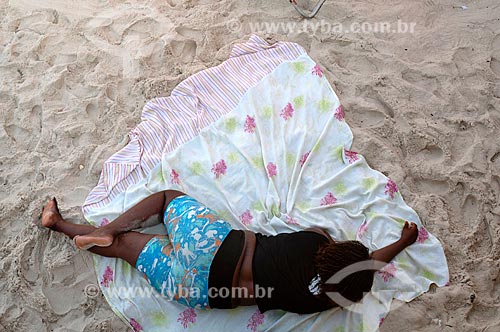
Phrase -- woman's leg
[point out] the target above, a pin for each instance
(126, 246)
(131, 219)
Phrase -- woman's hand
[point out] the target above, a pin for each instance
(409, 233)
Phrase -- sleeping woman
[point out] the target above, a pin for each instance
(203, 263)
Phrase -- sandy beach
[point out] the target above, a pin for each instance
(424, 107)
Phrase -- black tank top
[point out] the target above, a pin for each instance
(222, 269)
(283, 263)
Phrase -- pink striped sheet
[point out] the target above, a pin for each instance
(198, 101)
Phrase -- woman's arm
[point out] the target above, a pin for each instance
(409, 235)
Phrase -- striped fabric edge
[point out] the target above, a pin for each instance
(198, 101)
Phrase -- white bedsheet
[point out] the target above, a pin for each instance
(279, 162)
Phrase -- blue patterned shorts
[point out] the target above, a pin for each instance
(178, 265)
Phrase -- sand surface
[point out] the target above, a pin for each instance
(424, 108)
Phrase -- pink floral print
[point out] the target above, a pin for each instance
(291, 220)
(422, 235)
(287, 112)
(174, 177)
(388, 272)
(186, 317)
(317, 71)
(381, 321)
(362, 229)
(256, 320)
(135, 325)
(219, 168)
(250, 124)
(329, 199)
(302, 160)
(339, 113)
(271, 170)
(104, 222)
(391, 188)
(351, 156)
(107, 276)
(246, 218)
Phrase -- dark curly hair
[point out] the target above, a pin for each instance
(333, 257)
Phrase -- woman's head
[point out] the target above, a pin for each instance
(335, 256)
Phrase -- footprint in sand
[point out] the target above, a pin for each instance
(373, 98)
(189, 33)
(495, 63)
(495, 43)
(464, 59)
(471, 211)
(372, 110)
(432, 154)
(174, 3)
(92, 111)
(185, 50)
(369, 118)
(432, 186)
(495, 56)
(17, 134)
(424, 83)
(141, 30)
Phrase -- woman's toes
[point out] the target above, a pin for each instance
(50, 214)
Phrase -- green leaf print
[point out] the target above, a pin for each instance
(126, 268)
(298, 102)
(157, 176)
(290, 160)
(231, 124)
(337, 152)
(303, 206)
(233, 157)
(275, 210)
(257, 162)
(368, 183)
(158, 318)
(361, 327)
(428, 274)
(299, 67)
(340, 188)
(257, 206)
(350, 235)
(267, 112)
(399, 221)
(325, 105)
(161, 177)
(340, 328)
(316, 147)
(371, 215)
(225, 215)
(403, 263)
(196, 168)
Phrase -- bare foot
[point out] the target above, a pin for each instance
(50, 214)
(98, 238)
